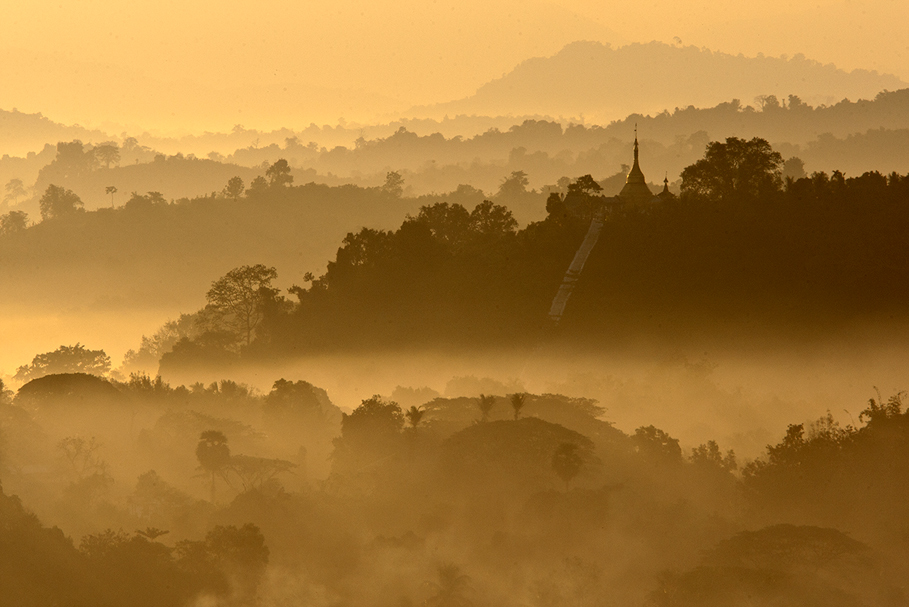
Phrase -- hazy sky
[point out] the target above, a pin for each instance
(208, 65)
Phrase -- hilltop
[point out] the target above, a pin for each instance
(596, 81)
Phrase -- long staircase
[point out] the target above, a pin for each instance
(577, 266)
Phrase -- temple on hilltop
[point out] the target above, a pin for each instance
(635, 194)
(636, 190)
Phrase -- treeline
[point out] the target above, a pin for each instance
(509, 499)
(741, 250)
(447, 276)
(821, 254)
(156, 251)
(435, 157)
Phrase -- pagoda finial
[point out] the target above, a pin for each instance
(635, 144)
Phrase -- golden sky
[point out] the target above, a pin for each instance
(199, 64)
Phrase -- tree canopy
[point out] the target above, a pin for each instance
(66, 359)
(737, 170)
(58, 202)
(237, 300)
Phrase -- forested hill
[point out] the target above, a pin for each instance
(22, 132)
(151, 252)
(740, 252)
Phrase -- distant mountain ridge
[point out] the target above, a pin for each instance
(602, 83)
(19, 131)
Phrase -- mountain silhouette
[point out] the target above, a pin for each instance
(600, 82)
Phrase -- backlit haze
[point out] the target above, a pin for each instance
(194, 66)
(400, 303)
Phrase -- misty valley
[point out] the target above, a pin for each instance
(494, 368)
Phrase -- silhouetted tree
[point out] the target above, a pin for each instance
(394, 184)
(767, 102)
(585, 184)
(82, 455)
(656, 445)
(107, 154)
(6, 395)
(257, 186)
(234, 188)
(111, 189)
(489, 219)
(254, 472)
(145, 201)
(66, 359)
(13, 222)
(734, 170)
(517, 403)
(709, 455)
(567, 462)
(58, 202)
(555, 206)
(279, 174)
(213, 455)
(369, 435)
(15, 190)
(449, 223)
(231, 560)
(414, 415)
(293, 404)
(485, 403)
(514, 185)
(793, 169)
(238, 298)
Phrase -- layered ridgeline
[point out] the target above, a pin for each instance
(438, 156)
(585, 81)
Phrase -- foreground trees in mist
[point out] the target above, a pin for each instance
(15, 190)
(782, 564)
(485, 403)
(65, 359)
(213, 454)
(40, 566)
(554, 507)
(567, 462)
(13, 222)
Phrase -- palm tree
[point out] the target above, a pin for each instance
(213, 455)
(517, 401)
(450, 589)
(111, 189)
(485, 404)
(414, 415)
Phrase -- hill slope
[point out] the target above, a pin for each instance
(597, 81)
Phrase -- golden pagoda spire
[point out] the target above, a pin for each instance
(636, 190)
(635, 144)
(635, 175)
